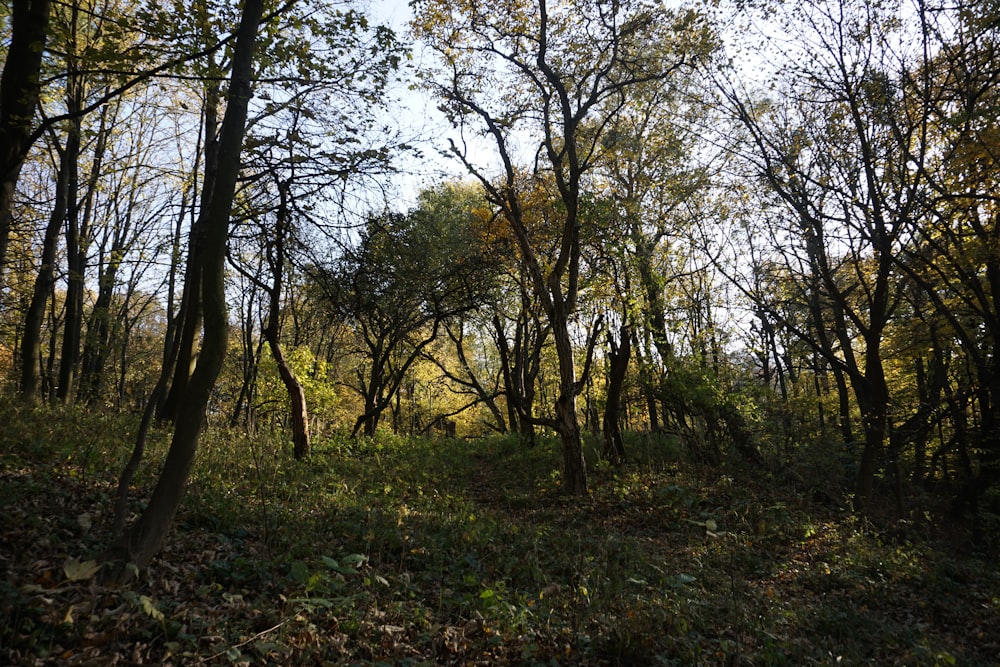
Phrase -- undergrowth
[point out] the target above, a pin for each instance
(442, 551)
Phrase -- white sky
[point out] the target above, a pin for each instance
(416, 116)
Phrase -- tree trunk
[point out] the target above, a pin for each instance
(98, 339)
(297, 396)
(872, 394)
(146, 537)
(78, 238)
(567, 422)
(76, 252)
(189, 313)
(188, 323)
(31, 341)
(618, 359)
(19, 90)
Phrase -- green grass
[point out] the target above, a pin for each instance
(441, 551)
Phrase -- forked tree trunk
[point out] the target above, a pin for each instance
(145, 538)
(189, 313)
(567, 422)
(618, 357)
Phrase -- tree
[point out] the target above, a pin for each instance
(551, 73)
(953, 255)
(276, 257)
(828, 148)
(31, 341)
(472, 370)
(407, 276)
(141, 542)
(20, 86)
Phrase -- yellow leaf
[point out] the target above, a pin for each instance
(77, 571)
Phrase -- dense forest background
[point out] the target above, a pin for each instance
(752, 238)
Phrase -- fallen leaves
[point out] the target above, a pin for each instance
(483, 570)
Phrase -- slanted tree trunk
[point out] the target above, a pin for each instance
(19, 90)
(139, 544)
(31, 340)
(296, 394)
(189, 312)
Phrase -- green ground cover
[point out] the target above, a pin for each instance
(443, 551)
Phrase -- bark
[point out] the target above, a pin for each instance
(520, 362)
(147, 535)
(189, 313)
(566, 421)
(74, 333)
(843, 406)
(618, 358)
(874, 422)
(98, 339)
(872, 394)
(296, 394)
(19, 91)
(170, 347)
(31, 340)
(385, 377)
(76, 246)
(243, 410)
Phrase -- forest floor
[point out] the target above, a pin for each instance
(422, 551)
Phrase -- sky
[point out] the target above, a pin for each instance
(416, 116)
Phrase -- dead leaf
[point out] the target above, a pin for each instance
(80, 571)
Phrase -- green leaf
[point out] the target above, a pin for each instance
(299, 572)
(149, 608)
(355, 560)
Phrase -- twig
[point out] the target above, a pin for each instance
(244, 643)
